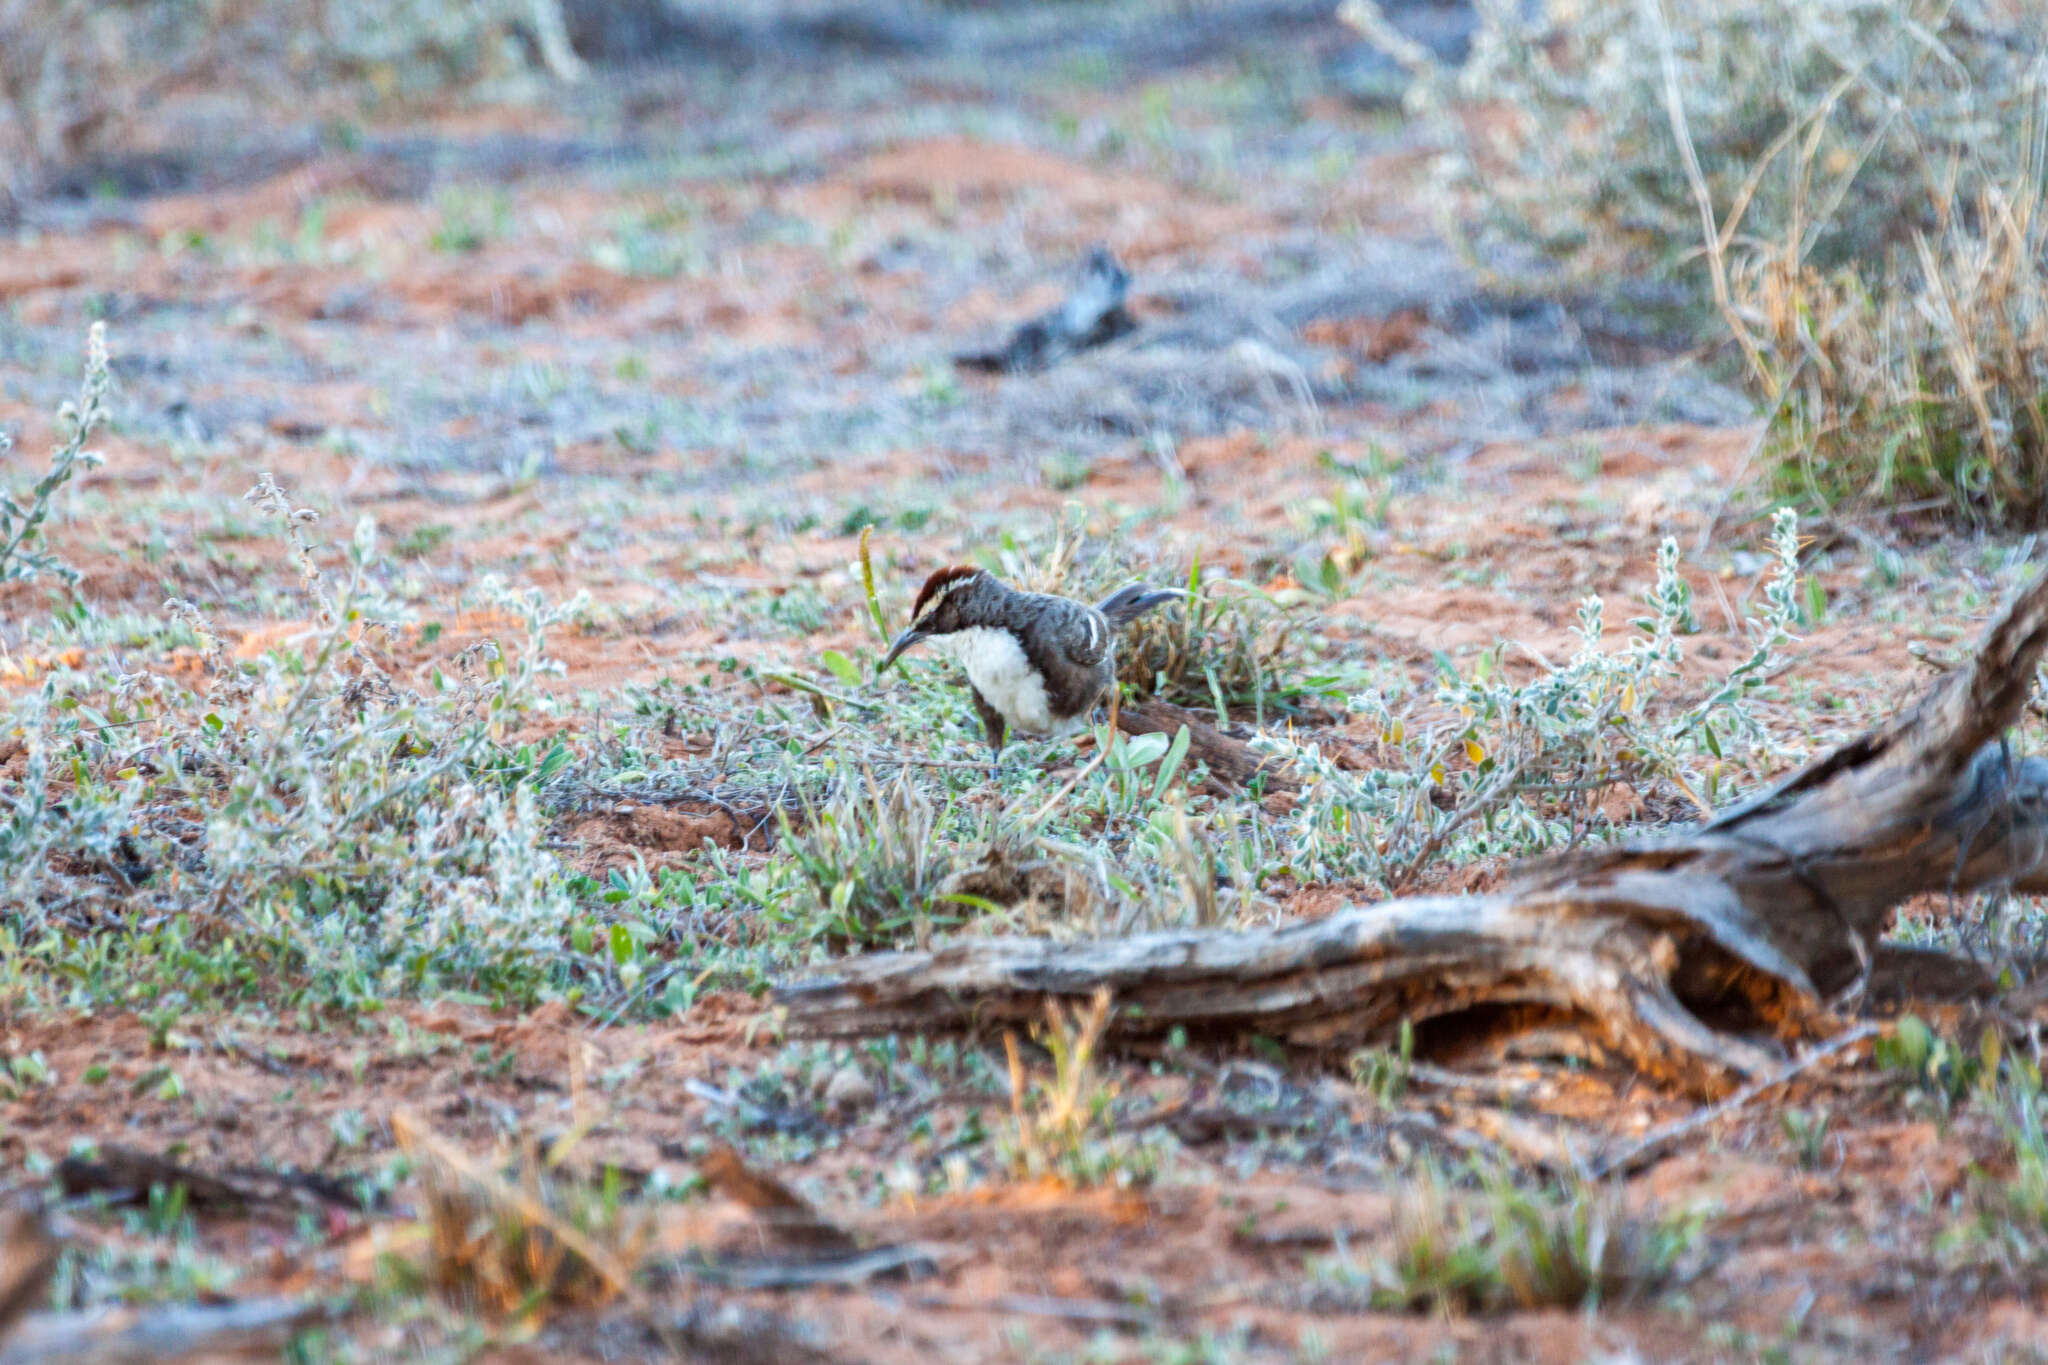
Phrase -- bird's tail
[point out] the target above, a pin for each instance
(1126, 605)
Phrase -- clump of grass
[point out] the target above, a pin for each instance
(1807, 1135)
(2004, 1225)
(1383, 1073)
(24, 544)
(874, 852)
(471, 219)
(519, 1248)
(1578, 1245)
(1231, 645)
(1815, 118)
(1930, 386)
(1942, 1072)
(1572, 1244)
(1065, 1128)
(1920, 371)
(1349, 518)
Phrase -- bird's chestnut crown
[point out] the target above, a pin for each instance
(939, 586)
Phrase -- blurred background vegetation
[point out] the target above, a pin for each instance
(1845, 195)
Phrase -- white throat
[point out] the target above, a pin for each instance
(996, 665)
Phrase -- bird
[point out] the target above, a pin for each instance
(1036, 663)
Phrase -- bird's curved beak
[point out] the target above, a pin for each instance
(901, 643)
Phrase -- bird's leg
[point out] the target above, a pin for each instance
(998, 730)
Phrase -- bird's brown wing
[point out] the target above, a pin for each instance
(1070, 647)
(1076, 630)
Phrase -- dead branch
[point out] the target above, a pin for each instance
(155, 1336)
(1702, 958)
(125, 1175)
(1650, 1143)
(1229, 761)
(854, 1268)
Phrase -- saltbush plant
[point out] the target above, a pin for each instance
(1499, 767)
(300, 820)
(1855, 187)
(24, 552)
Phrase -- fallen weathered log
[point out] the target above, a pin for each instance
(1699, 957)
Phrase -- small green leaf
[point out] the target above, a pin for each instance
(972, 902)
(1915, 1042)
(1175, 755)
(556, 760)
(1139, 750)
(842, 668)
(1816, 603)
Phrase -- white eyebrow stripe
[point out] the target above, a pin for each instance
(1094, 630)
